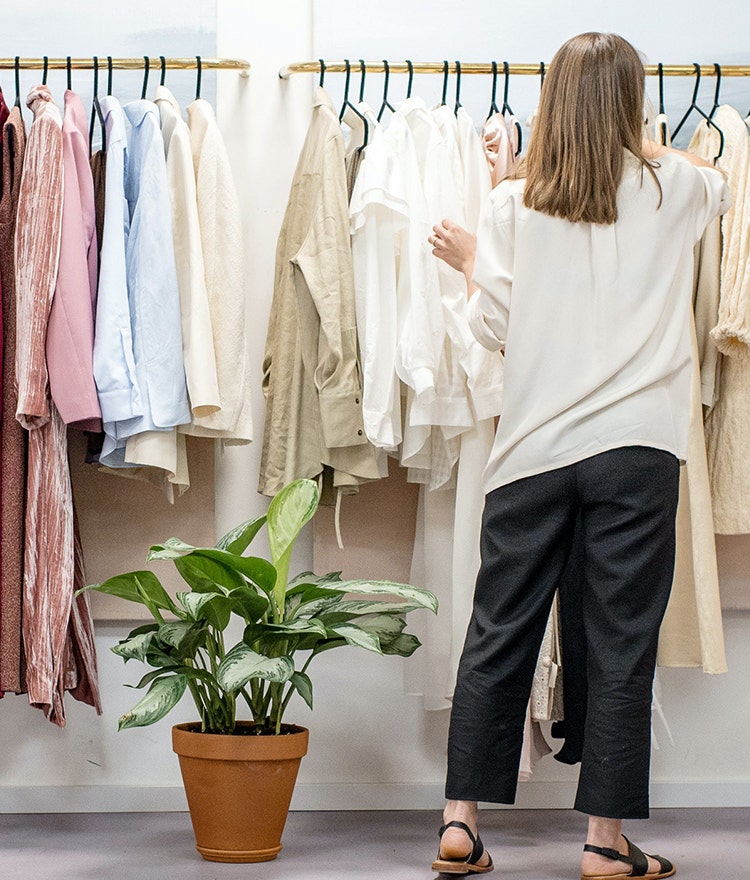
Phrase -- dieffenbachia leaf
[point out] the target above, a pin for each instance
(163, 695)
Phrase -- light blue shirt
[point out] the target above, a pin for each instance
(153, 295)
(114, 361)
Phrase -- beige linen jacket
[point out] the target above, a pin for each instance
(311, 373)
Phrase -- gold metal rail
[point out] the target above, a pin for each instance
(125, 63)
(486, 67)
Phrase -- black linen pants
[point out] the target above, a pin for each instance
(627, 500)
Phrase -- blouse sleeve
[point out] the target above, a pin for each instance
(714, 199)
(493, 272)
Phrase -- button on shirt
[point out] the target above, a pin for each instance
(594, 318)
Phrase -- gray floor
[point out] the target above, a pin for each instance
(526, 845)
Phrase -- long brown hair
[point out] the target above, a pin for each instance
(591, 107)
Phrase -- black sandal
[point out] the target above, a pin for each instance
(635, 857)
(465, 864)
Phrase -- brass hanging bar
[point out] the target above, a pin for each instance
(486, 68)
(127, 63)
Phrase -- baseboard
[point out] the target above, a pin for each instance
(341, 796)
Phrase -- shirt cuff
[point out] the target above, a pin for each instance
(482, 333)
(341, 417)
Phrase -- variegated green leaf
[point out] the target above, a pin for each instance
(303, 686)
(162, 696)
(134, 648)
(175, 633)
(404, 644)
(356, 636)
(241, 664)
(363, 606)
(238, 539)
(142, 587)
(172, 548)
(381, 625)
(288, 513)
(416, 595)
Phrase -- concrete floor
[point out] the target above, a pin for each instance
(705, 844)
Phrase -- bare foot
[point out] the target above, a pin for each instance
(455, 842)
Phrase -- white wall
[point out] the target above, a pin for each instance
(371, 746)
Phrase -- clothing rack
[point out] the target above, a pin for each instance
(104, 62)
(489, 67)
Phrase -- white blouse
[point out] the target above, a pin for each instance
(594, 319)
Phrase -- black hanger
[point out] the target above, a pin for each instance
(717, 68)
(17, 75)
(109, 74)
(663, 126)
(493, 102)
(446, 70)
(458, 87)
(542, 72)
(163, 63)
(96, 109)
(322, 72)
(506, 106)
(45, 65)
(694, 106)
(385, 103)
(410, 81)
(348, 103)
(198, 77)
(69, 72)
(146, 65)
(362, 71)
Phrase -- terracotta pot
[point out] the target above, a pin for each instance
(238, 789)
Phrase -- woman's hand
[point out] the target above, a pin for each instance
(456, 246)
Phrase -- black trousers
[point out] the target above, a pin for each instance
(624, 502)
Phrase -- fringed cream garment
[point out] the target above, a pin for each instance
(48, 563)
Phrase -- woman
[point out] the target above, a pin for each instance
(583, 277)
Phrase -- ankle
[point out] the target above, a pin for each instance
(604, 832)
(461, 811)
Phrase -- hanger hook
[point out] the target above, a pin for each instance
(348, 69)
(163, 62)
(17, 75)
(385, 103)
(697, 69)
(446, 70)
(542, 73)
(68, 68)
(109, 74)
(494, 85)
(410, 81)
(506, 86)
(198, 77)
(44, 70)
(717, 68)
(322, 72)
(362, 71)
(458, 87)
(146, 65)
(661, 87)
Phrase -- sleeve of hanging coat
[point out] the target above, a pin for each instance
(489, 307)
(70, 333)
(114, 363)
(324, 273)
(36, 256)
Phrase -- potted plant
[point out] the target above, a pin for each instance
(226, 763)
